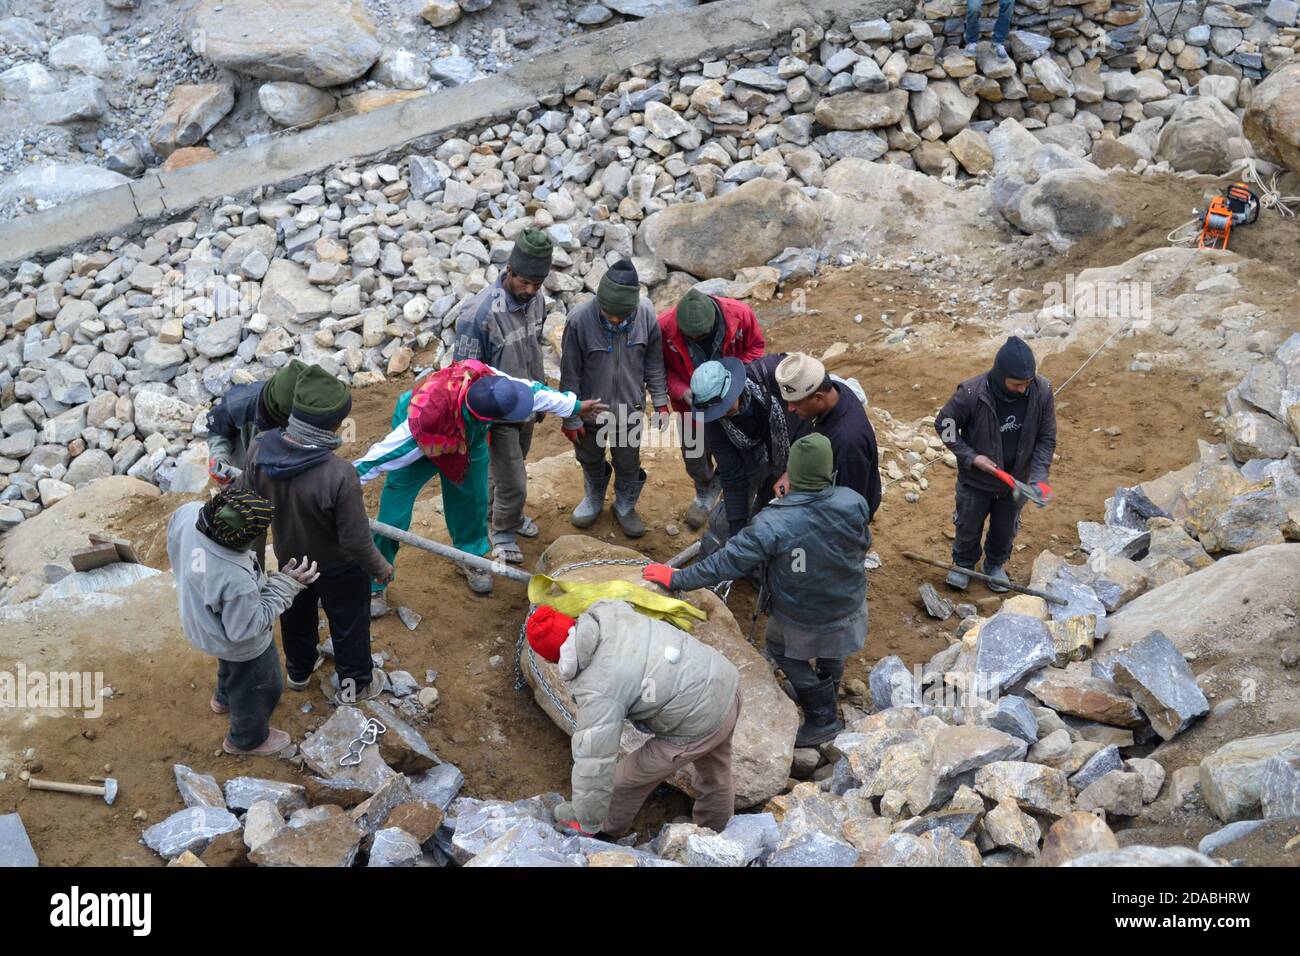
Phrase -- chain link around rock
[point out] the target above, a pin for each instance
(520, 681)
(369, 734)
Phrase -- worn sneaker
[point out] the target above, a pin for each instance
(378, 604)
(217, 707)
(275, 741)
(958, 580)
(301, 685)
(1001, 51)
(480, 582)
(353, 695)
(998, 574)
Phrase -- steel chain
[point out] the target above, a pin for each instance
(370, 733)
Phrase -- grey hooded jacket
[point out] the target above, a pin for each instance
(621, 664)
(227, 608)
(813, 546)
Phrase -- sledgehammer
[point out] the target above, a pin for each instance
(107, 790)
(1009, 585)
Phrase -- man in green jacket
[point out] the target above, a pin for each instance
(811, 545)
(620, 664)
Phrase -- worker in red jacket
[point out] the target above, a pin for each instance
(703, 328)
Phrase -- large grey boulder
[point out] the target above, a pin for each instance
(190, 829)
(1010, 647)
(1143, 856)
(295, 104)
(1232, 776)
(1154, 672)
(745, 227)
(763, 743)
(320, 42)
(1066, 205)
(1197, 137)
(1272, 120)
(55, 183)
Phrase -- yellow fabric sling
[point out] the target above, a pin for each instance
(577, 596)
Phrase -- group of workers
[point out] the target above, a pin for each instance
(786, 477)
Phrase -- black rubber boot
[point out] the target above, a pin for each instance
(821, 722)
(588, 510)
(625, 500)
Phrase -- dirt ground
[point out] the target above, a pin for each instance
(1116, 428)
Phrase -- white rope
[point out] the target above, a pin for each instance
(1270, 196)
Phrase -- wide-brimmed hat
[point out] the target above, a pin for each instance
(715, 386)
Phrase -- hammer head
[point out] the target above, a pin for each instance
(110, 790)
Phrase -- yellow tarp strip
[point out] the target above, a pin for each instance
(577, 596)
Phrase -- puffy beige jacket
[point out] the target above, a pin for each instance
(621, 664)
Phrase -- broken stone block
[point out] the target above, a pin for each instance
(528, 843)
(323, 749)
(756, 833)
(371, 813)
(331, 841)
(1279, 786)
(1231, 778)
(1099, 764)
(1011, 646)
(438, 785)
(951, 851)
(187, 859)
(189, 829)
(1034, 787)
(339, 793)
(198, 789)
(1119, 793)
(262, 822)
(1213, 842)
(226, 849)
(815, 849)
(242, 792)
(715, 850)
(1080, 695)
(402, 747)
(1155, 674)
(474, 824)
(1121, 542)
(1051, 749)
(1130, 856)
(1152, 774)
(892, 684)
(15, 847)
(936, 605)
(955, 753)
(960, 822)
(1008, 825)
(1074, 835)
(902, 849)
(393, 847)
(419, 818)
(1131, 508)
(1073, 638)
(1014, 717)
(1080, 599)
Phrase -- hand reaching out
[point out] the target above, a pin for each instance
(300, 570)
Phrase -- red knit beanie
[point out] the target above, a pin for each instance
(547, 629)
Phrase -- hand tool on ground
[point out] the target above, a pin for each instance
(1009, 585)
(1020, 489)
(107, 790)
(1238, 206)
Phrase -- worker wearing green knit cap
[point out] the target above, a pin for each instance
(612, 351)
(810, 546)
(502, 326)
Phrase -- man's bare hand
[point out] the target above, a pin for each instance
(590, 408)
(782, 486)
(383, 577)
(300, 570)
(984, 463)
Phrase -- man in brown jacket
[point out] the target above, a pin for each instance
(1003, 420)
(319, 512)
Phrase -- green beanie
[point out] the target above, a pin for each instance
(619, 292)
(277, 393)
(531, 256)
(320, 399)
(811, 463)
(696, 313)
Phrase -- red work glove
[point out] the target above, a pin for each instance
(573, 434)
(1045, 490)
(661, 415)
(217, 472)
(660, 574)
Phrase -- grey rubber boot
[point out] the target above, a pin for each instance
(958, 580)
(588, 510)
(625, 500)
(998, 573)
(697, 512)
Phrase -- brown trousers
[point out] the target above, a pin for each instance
(656, 760)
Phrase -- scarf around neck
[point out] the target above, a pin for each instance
(437, 420)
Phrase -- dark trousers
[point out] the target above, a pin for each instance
(344, 594)
(801, 674)
(251, 689)
(974, 507)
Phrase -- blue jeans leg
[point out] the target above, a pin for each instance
(973, 20)
(1003, 26)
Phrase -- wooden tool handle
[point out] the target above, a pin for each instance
(34, 784)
